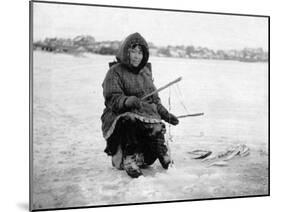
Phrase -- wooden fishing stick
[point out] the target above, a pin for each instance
(162, 88)
(166, 86)
(188, 115)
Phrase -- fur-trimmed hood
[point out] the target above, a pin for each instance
(123, 53)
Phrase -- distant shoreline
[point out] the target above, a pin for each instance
(88, 44)
(162, 56)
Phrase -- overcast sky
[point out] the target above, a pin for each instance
(159, 27)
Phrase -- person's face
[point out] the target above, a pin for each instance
(136, 56)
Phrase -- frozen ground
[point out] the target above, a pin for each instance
(71, 169)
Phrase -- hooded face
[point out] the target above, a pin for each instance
(133, 52)
(136, 55)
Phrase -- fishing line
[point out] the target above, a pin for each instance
(180, 97)
(169, 109)
(170, 138)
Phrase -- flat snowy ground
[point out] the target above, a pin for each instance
(70, 168)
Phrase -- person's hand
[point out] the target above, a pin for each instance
(133, 102)
(172, 119)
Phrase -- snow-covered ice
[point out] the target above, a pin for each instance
(70, 168)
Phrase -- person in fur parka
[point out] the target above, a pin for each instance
(132, 127)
